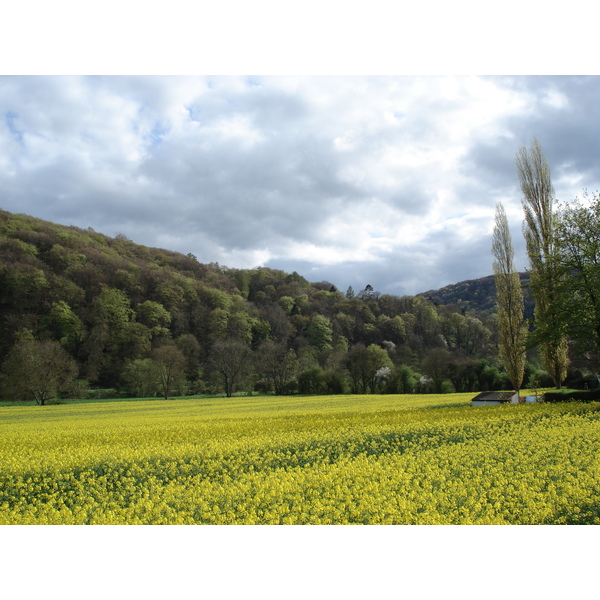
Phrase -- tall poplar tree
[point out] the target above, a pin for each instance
(538, 228)
(511, 326)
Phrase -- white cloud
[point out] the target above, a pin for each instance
(239, 129)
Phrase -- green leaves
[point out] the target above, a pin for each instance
(578, 258)
(320, 332)
(64, 324)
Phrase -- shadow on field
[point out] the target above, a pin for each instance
(588, 514)
(453, 405)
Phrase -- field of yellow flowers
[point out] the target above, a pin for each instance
(300, 460)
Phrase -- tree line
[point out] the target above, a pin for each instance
(563, 247)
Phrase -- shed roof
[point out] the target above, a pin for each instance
(494, 396)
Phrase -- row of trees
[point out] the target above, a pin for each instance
(563, 246)
(41, 370)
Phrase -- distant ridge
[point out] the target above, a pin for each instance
(477, 295)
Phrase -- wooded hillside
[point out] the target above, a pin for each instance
(119, 309)
(478, 295)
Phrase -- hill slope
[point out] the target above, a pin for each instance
(477, 295)
(111, 302)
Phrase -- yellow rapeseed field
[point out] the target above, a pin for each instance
(300, 460)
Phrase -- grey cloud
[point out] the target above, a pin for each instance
(407, 272)
(437, 261)
(569, 135)
(283, 186)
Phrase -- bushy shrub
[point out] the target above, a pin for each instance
(103, 394)
(79, 388)
(334, 382)
(572, 396)
(311, 381)
(402, 380)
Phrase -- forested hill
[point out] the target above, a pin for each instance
(477, 295)
(111, 304)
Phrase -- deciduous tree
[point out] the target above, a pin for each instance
(320, 332)
(170, 368)
(511, 326)
(65, 325)
(436, 366)
(539, 230)
(142, 377)
(278, 364)
(578, 250)
(191, 349)
(154, 316)
(37, 370)
(402, 380)
(230, 358)
(363, 363)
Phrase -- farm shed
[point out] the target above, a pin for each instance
(494, 398)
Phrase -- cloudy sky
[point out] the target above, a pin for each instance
(388, 181)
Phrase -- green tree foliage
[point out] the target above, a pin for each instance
(36, 370)
(511, 327)
(64, 325)
(287, 304)
(311, 380)
(113, 312)
(155, 317)
(363, 363)
(26, 285)
(392, 329)
(334, 381)
(110, 332)
(142, 377)
(578, 257)
(320, 332)
(277, 364)
(217, 324)
(239, 325)
(170, 294)
(378, 359)
(192, 350)
(401, 380)
(170, 366)
(436, 367)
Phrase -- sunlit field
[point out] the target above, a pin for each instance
(300, 460)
